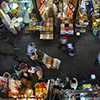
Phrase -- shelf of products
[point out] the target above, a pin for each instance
(47, 30)
(34, 25)
(81, 21)
(41, 90)
(96, 17)
(66, 26)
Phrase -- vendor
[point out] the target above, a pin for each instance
(37, 55)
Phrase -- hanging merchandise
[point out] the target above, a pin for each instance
(71, 10)
(83, 5)
(26, 17)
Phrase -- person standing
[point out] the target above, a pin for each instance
(18, 70)
(39, 72)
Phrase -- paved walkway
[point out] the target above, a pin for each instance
(86, 51)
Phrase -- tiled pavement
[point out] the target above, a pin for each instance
(86, 51)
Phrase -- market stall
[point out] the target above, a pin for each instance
(66, 26)
(15, 15)
(46, 11)
(96, 18)
(41, 90)
(19, 13)
(47, 30)
(81, 21)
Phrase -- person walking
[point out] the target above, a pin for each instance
(70, 49)
(30, 48)
(97, 61)
(63, 41)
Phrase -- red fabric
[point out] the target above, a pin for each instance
(67, 28)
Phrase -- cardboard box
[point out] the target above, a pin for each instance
(48, 60)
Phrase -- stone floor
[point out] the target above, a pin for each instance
(87, 48)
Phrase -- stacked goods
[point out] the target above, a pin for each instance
(33, 25)
(40, 90)
(66, 27)
(6, 22)
(47, 29)
(96, 17)
(81, 21)
(81, 18)
(12, 28)
(16, 11)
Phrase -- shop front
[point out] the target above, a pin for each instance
(22, 89)
(96, 18)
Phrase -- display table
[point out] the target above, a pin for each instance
(81, 21)
(41, 90)
(96, 17)
(47, 30)
(66, 27)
